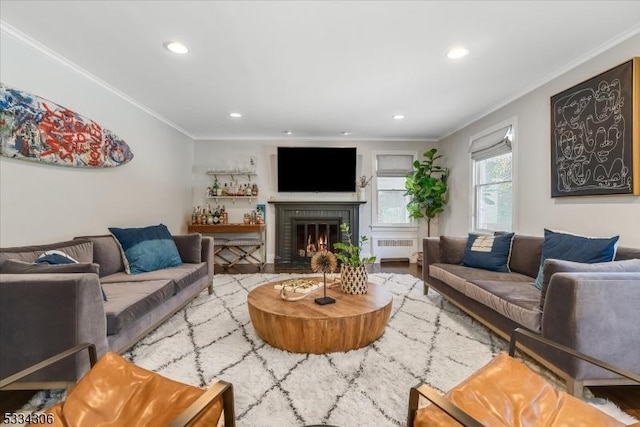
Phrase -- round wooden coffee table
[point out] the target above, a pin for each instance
(303, 326)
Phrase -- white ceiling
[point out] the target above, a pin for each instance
(318, 68)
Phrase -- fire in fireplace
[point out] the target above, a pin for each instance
(312, 236)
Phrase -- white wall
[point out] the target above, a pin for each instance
(223, 154)
(535, 209)
(42, 204)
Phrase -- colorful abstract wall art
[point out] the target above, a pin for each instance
(38, 130)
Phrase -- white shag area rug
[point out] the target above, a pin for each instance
(427, 340)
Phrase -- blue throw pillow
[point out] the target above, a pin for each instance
(571, 247)
(488, 252)
(147, 249)
(55, 257)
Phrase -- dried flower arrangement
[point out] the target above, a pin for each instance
(324, 262)
(363, 181)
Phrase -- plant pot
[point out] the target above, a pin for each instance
(354, 279)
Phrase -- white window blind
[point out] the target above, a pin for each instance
(492, 145)
(390, 165)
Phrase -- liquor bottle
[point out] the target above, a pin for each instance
(203, 216)
(215, 188)
(193, 216)
(216, 215)
(254, 189)
(247, 190)
(225, 215)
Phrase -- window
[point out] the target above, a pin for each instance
(491, 157)
(391, 169)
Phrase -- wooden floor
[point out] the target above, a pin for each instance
(626, 397)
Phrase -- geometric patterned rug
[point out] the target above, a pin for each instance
(426, 340)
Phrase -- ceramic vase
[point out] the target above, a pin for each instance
(354, 279)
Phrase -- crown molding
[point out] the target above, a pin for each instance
(18, 35)
(550, 77)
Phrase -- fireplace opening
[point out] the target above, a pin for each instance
(312, 236)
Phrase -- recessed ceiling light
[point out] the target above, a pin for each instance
(288, 132)
(458, 53)
(176, 47)
(398, 117)
(235, 115)
(346, 133)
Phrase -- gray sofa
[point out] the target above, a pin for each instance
(44, 313)
(592, 308)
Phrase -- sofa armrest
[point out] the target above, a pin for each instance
(430, 255)
(45, 314)
(596, 314)
(207, 254)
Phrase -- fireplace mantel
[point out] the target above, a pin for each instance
(288, 212)
(316, 202)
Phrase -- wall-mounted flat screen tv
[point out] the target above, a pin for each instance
(316, 169)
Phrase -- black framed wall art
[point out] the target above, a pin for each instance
(595, 135)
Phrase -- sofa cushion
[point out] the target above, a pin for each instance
(552, 266)
(525, 254)
(80, 250)
(147, 248)
(452, 249)
(572, 247)
(129, 301)
(457, 276)
(189, 247)
(488, 252)
(516, 300)
(182, 276)
(106, 252)
(12, 266)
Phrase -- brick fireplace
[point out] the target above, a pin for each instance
(303, 228)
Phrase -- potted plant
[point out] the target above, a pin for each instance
(427, 188)
(353, 271)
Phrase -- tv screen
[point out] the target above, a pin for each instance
(316, 169)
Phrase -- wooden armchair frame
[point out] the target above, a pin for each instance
(216, 388)
(465, 419)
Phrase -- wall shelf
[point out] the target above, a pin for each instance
(232, 174)
(232, 198)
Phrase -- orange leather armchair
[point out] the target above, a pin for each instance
(118, 393)
(507, 393)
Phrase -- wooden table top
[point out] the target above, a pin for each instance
(303, 326)
(267, 299)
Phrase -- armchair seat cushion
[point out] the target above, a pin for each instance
(118, 393)
(507, 393)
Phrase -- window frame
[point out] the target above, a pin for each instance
(374, 187)
(473, 202)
